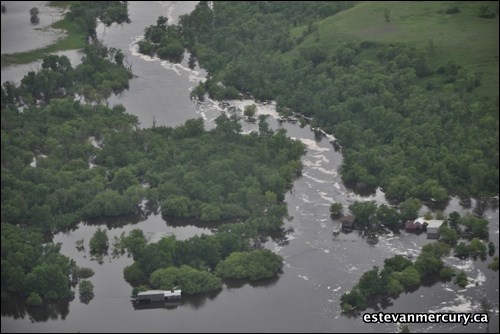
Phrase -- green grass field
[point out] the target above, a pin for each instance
(73, 38)
(464, 38)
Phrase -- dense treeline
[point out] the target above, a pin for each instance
(46, 179)
(32, 269)
(208, 175)
(64, 161)
(415, 130)
(254, 265)
(213, 175)
(190, 280)
(60, 189)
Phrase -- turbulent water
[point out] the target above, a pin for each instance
(319, 266)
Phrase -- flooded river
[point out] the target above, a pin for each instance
(319, 266)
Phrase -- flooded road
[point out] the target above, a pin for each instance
(319, 267)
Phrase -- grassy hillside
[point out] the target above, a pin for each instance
(409, 89)
(465, 38)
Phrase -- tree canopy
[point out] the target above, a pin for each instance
(407, 123)
(254, 265)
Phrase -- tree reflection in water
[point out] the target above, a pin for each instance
(17, 309)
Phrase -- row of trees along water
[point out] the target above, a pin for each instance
(413, 129)
(64, 161)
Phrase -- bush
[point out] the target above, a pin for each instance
(409, 278)
(491, 248)
(462, 250)
(254, 265)
(352, 301)
(34, 299)
(446, 273)
(177, 206)
(461, 279)
(51, 295)
(336, 210)
(448, 235)
(147, 48)
(494, 264)
(397, 263)
(84, 272)
(250, 111)
(99, 243)
(86, 290)
(190, 280)
(477, 248)
(173, 51)
(133, 274)
(210, 212)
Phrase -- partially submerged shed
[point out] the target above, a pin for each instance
(348, 222)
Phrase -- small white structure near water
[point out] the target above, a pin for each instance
(432, 226)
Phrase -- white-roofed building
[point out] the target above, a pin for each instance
(433, 226)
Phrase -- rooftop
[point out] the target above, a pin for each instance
(168, 293)
(434, 223)
(348, 219)
(150, 292)
(431, 223)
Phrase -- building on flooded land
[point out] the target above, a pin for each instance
(348, 222)
(432, 227)
(414, 225)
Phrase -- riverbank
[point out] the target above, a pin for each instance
(72, 38)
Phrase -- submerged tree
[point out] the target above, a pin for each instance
(34, 299)
(336, 210)
(250, 111)
(86, 291)
(461, 279)
(99, 243)
(34, 11)
(34, 15)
